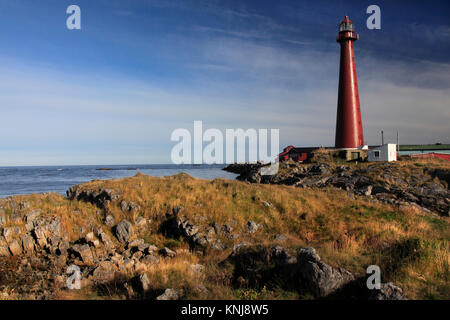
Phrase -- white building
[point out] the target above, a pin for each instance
(386, 152)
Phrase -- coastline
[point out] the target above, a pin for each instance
(171, 237)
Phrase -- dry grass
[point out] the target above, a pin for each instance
(411, 247)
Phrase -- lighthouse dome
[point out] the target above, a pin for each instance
(346, 25)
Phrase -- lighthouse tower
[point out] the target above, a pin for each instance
(349, 132)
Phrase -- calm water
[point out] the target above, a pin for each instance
(425, 151)
(24, 180)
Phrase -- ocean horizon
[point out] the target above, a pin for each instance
(18, 180)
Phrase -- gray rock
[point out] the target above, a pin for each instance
(4, 251)
(27, 244)
(32, 215)
(99, 197)
(129, 206)
(104, 272)
(252, 226)
(124, 231)
(84, 251)
(15, 248)
(135, 243)
(150, 259)
(142, 283)
(366, 190)
(152, 248)
(8, 234)
(166, 252)
(195, 234)
(237, 248)
(109, 221)
(388, 291)
(23, 205)
(187, 228)
(379, 189)
(280, 237)
(140, 222)
(171, 294)
(318, 277)
(281, 257)
(89, 237)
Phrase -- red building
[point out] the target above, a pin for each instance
(296, 154)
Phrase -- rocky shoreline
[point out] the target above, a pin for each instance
(426, 188)
(106, 235)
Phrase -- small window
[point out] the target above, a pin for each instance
(376, 154)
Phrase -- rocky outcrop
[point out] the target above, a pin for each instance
(99, 197)
(388, 291)
(255, 266)
(195, 234)
(428, 189)
(171, 294)
(100, 258)
(318, 277)
(124, 231)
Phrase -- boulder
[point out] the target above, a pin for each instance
(166, 252)
(388, 291)
(281, 257)
(136, 243)
(84, 251)
(27, 244)
(129, 207)
(32, 215)
(280, 237)
(8, 234)
(366, 190)
(317, 277)
(105, 272)
(124, 231)
(4, 251)
(171, 294)
(45, 229)
(142, 283)
(109, 221)
(197, 235)
(150, 259)
(89, 237)
(252, 226)
(140, 222)
(15, 248)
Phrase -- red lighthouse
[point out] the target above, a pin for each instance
(349, 132)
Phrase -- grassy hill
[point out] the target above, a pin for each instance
(411, 246)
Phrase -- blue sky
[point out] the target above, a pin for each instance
(113, 92)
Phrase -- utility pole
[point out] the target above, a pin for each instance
(398, 146)
(382, 137)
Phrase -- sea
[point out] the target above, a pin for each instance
(39, 179)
